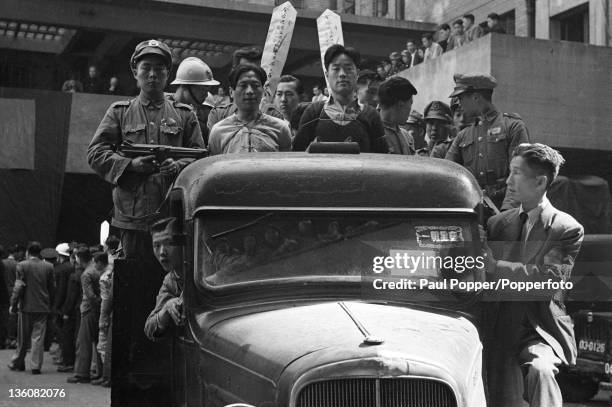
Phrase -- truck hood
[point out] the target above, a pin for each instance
(266, 343)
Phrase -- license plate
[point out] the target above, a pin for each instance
(591, 345)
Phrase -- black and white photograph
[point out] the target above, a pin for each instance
(306, 203)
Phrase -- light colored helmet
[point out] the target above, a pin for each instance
(193, 71)
(63, 249)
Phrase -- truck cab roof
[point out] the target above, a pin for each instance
(334, 181)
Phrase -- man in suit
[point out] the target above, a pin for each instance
(33, 293)
(415, 57)
(535, 243)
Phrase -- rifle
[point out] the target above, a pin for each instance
(161, 152)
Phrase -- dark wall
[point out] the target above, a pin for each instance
(30, 199)
(86, 202)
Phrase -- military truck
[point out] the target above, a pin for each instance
(280, 266)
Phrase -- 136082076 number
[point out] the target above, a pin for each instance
(36, 393)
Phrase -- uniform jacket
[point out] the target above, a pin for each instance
(90, 285)
(37, 294)
(555, 240)
(137, 196)
(398, 139)
(438, 150)
(106, 294)
(159, 320)
(487, 145)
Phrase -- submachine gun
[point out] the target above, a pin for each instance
(161, 152)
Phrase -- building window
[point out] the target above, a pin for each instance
(294, 3)
(381, 8)
(348, 7)
(508, 21)
(400, 6)
(572, 25)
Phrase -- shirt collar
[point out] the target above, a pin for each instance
(353, 104)
(535, 213)
(490, 115)
(391, 126)
(148, 102)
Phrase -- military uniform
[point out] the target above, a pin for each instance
(398, 139)
(485, 148)
(439, 149)
(137, 196)
(437, 111)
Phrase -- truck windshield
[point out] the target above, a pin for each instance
(236, 247)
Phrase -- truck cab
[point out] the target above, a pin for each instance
(303, 284)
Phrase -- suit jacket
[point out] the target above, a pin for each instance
(417, 59)
(90, 285)
(550, 251)
(38, 287)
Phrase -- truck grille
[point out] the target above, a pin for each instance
(371, 392)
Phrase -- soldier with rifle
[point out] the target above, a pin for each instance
(140, 182)
(485, 148)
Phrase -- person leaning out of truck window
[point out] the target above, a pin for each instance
(341, 119)
(395, 100)
(248, 129)
(168, 311)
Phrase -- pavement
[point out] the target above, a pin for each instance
(75, 395)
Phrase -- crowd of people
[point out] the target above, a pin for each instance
(93, 83)
(432, 45)
(60, 295)
(360, 109)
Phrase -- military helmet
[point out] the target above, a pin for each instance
(193, 71)
(415, 118)
(151, 47)
(439, 111)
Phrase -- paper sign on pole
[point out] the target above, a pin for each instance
(277, 45)
(104, 231)
(329, 27)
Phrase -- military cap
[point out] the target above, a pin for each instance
(415, 118)
(438, 110)
(471, 82)
(49, 253)
(366, 74)
(152, 47)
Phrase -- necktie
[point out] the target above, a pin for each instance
(517, 250)
(522, 219)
